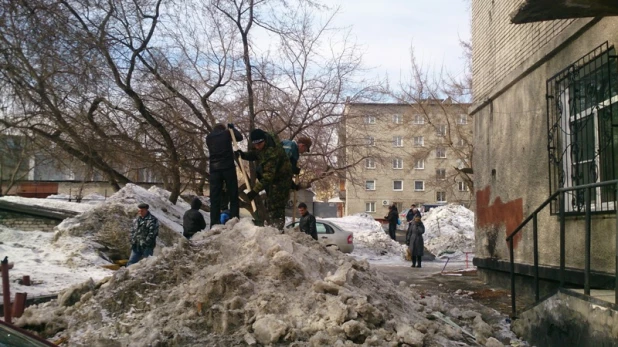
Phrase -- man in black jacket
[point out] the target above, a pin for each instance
(193, 221)
(307, 221)
(222, 169)
(392, 218)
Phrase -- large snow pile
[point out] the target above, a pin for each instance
(449, 230)
(370, 240)
(52, 266)
(244, 285)
(107, 224)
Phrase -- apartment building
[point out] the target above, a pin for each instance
(406, 153)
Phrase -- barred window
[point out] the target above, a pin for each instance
(583, 116)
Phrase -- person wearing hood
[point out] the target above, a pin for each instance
(193, 220)
(276, 174)
(414, 240)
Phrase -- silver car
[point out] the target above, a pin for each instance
(331, 235)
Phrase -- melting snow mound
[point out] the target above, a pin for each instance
(449, 230)
(243, 285)
(105, 227)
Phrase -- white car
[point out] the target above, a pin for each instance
(331, 235)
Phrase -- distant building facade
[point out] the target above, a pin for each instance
(405, 153)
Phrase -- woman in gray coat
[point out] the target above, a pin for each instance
(414, 239)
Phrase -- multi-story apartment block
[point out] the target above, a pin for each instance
(406, 153)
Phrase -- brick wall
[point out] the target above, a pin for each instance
(498, 46)
(27, 223)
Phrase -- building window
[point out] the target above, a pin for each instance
(418, 141)
(462, 119)
(398, 185)
(463, 187)
(397, 141)
(370, 206)
(440, 174)
(370, 163)
(397, 119)
(440, 130)
(370, 141)
(418, 119)
(441, 196)
(370, 119)
(460, 143)
(419, 164)
(419, 186)
(370, 185)
(397, 163)
(440, 152)
(582, 117)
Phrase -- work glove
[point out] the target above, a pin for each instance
(230, 125)
(239, 154)
(251, 195)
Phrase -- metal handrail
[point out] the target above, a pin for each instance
(560, 193)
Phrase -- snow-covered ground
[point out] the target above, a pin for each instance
(76, 251)
(52, 266)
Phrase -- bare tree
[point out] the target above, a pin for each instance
(137, 85)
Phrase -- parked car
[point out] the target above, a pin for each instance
(11, 335)
(331, 235)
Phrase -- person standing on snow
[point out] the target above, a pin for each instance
(193, 221)
(392, 218)
(414, 240)
(143, 234)
(222, 170)
(276, 174)
(307, 222)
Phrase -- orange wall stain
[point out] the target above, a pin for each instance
(511, 213)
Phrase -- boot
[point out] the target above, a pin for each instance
(413, 261)
(419, 261)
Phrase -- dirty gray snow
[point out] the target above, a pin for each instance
(240, 284)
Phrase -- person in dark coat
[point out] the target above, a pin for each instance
(307, 222)
(222, 170)
(276, 174)
(392, 218)
(143, 234)
(193, 220)
(414, 240)
(412, 212)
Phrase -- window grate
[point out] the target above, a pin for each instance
(582, 123)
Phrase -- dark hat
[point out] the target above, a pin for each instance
(143, 205)
(257, 136)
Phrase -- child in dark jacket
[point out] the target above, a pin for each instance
(193, 220)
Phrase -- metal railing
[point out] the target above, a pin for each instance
(560, 194)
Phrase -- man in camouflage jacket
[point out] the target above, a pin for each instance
(276, 174)
(143, 234)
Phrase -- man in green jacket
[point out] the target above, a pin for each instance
(276, 174)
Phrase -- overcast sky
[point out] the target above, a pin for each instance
(387, 29)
